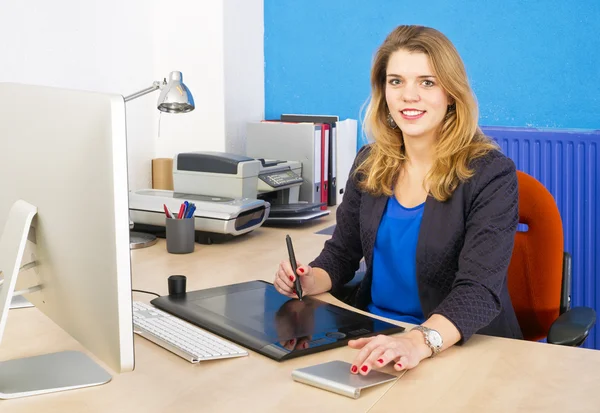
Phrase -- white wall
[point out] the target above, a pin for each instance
(189, 38)
(244, 69)
(122, 46)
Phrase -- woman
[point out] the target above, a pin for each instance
(432, 206)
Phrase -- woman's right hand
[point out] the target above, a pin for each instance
(285, 278)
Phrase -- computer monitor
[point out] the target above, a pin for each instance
(63, 152)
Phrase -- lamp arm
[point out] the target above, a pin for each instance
(155, 86)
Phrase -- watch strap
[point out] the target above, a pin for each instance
(425, 331)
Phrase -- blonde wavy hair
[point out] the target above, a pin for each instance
(460, 139)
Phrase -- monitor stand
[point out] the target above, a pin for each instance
(39, 374)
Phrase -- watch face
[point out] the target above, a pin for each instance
(435, 339)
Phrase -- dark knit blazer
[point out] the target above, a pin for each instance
(463, 251)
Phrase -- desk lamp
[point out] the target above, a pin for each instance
(174, 97)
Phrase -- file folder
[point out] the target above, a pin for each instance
(330, 179)
(345, 147)
(342, 150)
(325, 165)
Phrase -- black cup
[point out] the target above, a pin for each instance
(177, 284)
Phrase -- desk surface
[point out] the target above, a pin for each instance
(487, 374)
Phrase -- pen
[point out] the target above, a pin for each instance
(290, 247)
(181, 209)
(167, 212)
(192, 209)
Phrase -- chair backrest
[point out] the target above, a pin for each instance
(535, 270)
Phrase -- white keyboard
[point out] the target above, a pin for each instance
(180, 337)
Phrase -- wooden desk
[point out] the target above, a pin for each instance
(488, 374)
(496, 375)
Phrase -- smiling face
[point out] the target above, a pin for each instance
(416, 102)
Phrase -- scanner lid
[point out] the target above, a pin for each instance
(212, 162)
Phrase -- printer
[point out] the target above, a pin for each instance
(234, 194)
(236, 176)
(219, 215)
(216, 219)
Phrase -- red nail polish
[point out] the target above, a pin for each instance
(354, 369)
(380, 361)
(301, 270)
(399, 365)
(291, 278)
(364, 368)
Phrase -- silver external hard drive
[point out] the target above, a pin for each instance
(335, 376)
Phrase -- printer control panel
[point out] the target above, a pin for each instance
(280, 178)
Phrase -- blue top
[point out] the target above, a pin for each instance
(394, 289)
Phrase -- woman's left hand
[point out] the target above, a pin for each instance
(406, 352)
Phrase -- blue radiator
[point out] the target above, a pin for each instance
(566, 162)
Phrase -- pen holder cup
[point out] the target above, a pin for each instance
(180, 235)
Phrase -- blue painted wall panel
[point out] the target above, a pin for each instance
(531, 64)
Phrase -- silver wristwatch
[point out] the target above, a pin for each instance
(433, 339)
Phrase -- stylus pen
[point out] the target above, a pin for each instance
(290, 248)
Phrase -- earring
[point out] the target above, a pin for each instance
(451, 108)
(391, 121)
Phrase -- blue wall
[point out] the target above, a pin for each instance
(531, 63)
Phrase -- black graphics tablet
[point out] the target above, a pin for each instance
(254, 315)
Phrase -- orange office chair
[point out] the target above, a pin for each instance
(539, 274)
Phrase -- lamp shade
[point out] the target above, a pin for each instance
(175, 97)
